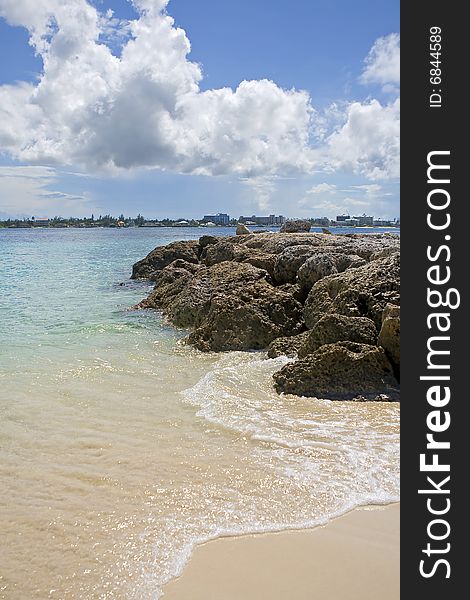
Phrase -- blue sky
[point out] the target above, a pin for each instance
(91, 125)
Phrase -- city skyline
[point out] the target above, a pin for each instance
(216, 220)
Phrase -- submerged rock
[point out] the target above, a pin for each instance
(341, 371)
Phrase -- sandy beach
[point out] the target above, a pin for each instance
(354, 557)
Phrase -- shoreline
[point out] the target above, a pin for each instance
(353, 556)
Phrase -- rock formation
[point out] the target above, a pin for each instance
(329, 300)
(341, 371)
(163, 256)
(295, 226)
(242, 229)
(333, 328)
(389, 336)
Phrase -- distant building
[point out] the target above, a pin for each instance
(218, 219)
(271, 220)
(342, 218)
(322, 221)
(41, 222)
(364, 220)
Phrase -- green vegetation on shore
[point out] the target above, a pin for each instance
(138, 221)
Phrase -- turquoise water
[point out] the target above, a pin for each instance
(121, 447)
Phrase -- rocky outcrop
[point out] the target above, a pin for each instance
(227, 250)
(389, 336)
(341, 371)
(249, 319)
(207, 240)
(338, 328)
(242, 229)
(317, 297)
(295, 226)
(290, 260)
(361, 292)
(287, 346)
(162, 256)
(316, 267)
(186, 297)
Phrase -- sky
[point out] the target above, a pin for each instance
(181, 108)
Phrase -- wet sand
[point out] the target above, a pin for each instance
(353, 557)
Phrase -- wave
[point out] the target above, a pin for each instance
(327, 457)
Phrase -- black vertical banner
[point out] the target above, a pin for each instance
(435, 229)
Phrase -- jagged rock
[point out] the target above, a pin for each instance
(208, 240)
(170, 282)
(368, 246)
(326, 262)
(162, 256)
(389, 336)
(383, 252)
(242, 229)
(259, 259)
(185, 296)
(289, 262)
(295, 226)
(349, 261)
(223, 250)
(246, 292)
(190, 308)
(179, 263)
(338, 328)
(227, 250)
(287, 346)
(361, 292)
(341, 371)
(250, 317)
(230, 305)
(275, 243)
(315, 268)
(295, 290)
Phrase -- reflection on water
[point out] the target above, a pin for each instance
(120, 447)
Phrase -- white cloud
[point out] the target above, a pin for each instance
(369, 141)
(142, 107)
(332, 206)
(322, 188)
(31, 191)
(263, 188)
(383, 63)
(372, 190)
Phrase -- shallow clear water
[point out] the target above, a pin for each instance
(120, 447)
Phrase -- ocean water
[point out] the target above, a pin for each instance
(121, 447)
